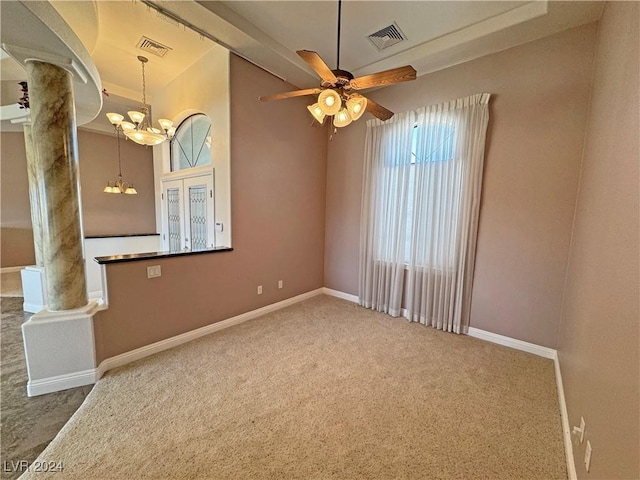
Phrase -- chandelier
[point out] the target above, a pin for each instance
(140, 129)
(120, 186)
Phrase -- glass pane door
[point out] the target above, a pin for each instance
(198, 199)
(187, 217)
(174, 217)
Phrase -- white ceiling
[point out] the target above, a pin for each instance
(439, 34)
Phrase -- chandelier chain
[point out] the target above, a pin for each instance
(119, 163)
(144, 87)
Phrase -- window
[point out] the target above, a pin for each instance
(191, 144)
(420, 206)
(431, 145)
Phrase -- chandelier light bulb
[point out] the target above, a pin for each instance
(115, 118)
(356, 106)
(136, 117)
(342, 118)
(317, 113)
(329, 102)
(165, 124)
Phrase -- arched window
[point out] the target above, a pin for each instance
(191, 144)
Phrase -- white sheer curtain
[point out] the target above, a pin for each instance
(421, 198)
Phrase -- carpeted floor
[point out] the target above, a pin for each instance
(27, 425)
(322, 389)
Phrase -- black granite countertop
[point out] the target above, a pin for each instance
(116, 235)
(133, 257)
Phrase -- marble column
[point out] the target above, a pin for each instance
(55, 151)
(34, 195)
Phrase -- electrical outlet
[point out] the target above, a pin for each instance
(154, 271)
(259, 289)
(279, 283)
(582, 425)
(587, 456)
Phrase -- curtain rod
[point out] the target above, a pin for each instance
(172, 16)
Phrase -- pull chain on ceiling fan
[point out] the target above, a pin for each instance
(337, 95)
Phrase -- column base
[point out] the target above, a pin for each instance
(60, 350)
(34, 289)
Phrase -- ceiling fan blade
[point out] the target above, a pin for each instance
(318, 65)
(378, 110)
(295, 93)
(395, 75)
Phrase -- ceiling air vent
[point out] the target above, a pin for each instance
(387, 36)
(151, 46)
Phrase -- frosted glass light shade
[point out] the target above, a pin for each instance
(115, 118)
(356, 106)
(131, 191)
(127, 126)
(108, 188)
(342, 118)
(317, 113)
(153, 130)
(136, 117)
(329, 102)
(145, 138)
(165, 124)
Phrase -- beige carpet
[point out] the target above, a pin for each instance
(322, 389)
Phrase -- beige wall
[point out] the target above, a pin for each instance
(599, 338)
(534, 144)
(102, 214)
(16, 235)
(278, 168)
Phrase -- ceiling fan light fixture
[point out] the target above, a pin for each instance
(317, 113)
(356, 106)
(329, 102)
(342, 118)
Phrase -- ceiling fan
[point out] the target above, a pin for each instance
(338, 92)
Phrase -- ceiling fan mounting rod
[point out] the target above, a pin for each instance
(339, 21)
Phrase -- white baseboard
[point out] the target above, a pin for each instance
(142, 352)
(566, 429)
(32, 307)
(513, 343)
(342, 295)
(61, 382)
(10, 269)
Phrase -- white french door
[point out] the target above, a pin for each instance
(187, 214)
